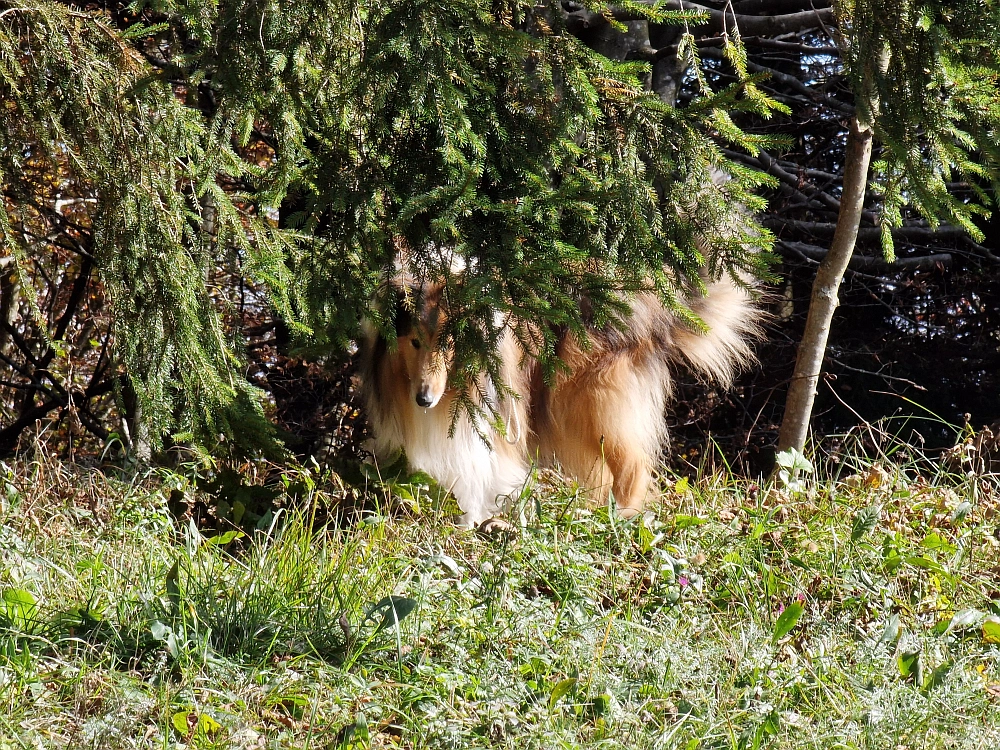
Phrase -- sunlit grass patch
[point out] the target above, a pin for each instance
(857, 608)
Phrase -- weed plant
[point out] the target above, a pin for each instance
(850, 606)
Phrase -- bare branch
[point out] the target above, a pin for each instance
(823, 229)
(872, 262)
(10, 434)
(718, 21)
(887, 378)
(790, 184)
(805, 49)
(772, 7)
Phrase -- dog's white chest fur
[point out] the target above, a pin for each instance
(464, 464)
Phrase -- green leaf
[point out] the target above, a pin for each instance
(935, 541)
(864, 521)
(991, 631)
(772, 724)
(393, 609)
(888, 246)
(184, 722)
(908, 663)
(965, 619)
(936, 678)
(160, 631)
(420, 479)
(293, 705)
(221, 540)
(960, 513)
(180, 722)
(919, 561)
(94, 564)
(19, 597)
(793, 461)
(18, 607)
(685, 522)
(359, 729)
(208, 725)
(891, 632)
(786, 621)
(893, 561)
(173, 586)
(447, 562)
(562, 687)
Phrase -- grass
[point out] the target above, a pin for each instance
(857, 609)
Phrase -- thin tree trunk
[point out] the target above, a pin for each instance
(8, 298)
(135, 430)
(809, 362)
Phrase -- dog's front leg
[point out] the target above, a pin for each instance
(477, 507)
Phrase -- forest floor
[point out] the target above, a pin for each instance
(855, 608)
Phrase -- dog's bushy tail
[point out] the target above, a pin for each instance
(732, 317)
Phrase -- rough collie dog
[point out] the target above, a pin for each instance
(602, 419)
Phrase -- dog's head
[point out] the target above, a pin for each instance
(420, 345)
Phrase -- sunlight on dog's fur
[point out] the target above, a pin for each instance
(602, 420)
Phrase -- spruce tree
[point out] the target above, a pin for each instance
(151, 151)
(487, 130)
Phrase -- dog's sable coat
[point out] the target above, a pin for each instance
(602, 420)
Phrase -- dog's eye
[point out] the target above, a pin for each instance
(416, 343)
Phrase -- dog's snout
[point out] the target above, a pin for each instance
(423, 399)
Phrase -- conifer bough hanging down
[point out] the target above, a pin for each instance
(147, 149)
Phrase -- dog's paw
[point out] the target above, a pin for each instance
(627, 513)
(494, 525)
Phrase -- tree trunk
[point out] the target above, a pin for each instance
(8, 299)
(809, 362)
(134, 429)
